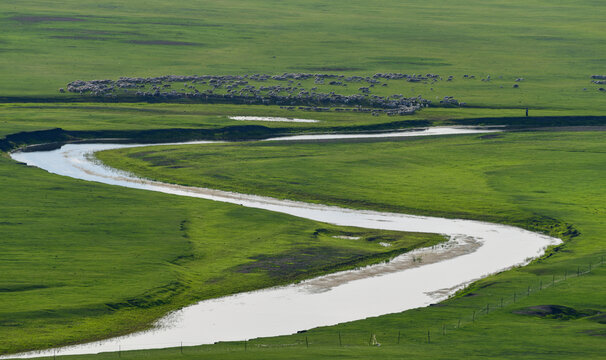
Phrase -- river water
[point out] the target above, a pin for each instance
(416, 279)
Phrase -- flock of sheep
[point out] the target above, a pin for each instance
(599, 80)
(288, 93)
(285, 90)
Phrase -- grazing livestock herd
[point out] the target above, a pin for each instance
(236, 89)
(599, 80)
(285, 90)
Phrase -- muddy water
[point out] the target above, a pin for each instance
(416, 279)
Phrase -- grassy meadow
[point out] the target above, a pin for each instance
(18, 117)
(543, 181)
(46, 45)
(83, 261)
(469, 176)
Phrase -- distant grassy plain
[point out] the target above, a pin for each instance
(45, 46)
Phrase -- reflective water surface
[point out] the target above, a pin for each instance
(271, 118)
(475, 249)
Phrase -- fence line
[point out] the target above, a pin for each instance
(427, 335)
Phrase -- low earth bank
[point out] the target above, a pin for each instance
(54, 138)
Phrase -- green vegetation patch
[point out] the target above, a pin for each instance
(293, 263)
(46, 46)
(544, 181)
(82, 261)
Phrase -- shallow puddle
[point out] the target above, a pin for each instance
(271, 118)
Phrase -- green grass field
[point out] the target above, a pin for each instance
(537, 180)
(46, 45)
(81, 261)
(453, 176)
(141, 116)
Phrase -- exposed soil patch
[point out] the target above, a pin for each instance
(558, 312)
(412, 259)
(163, 42)
(294, 262)
(37, 19)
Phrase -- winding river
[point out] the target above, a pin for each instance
(474, 250)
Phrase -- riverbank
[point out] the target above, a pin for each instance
(539, 180)
(489, 238)
(111, 261)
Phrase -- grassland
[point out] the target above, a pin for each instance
(26, 123)
(99, 287)
(83, 261)
(538, 180)
(45, 46)
(337, 172)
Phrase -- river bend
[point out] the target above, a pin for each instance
(475, 250)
